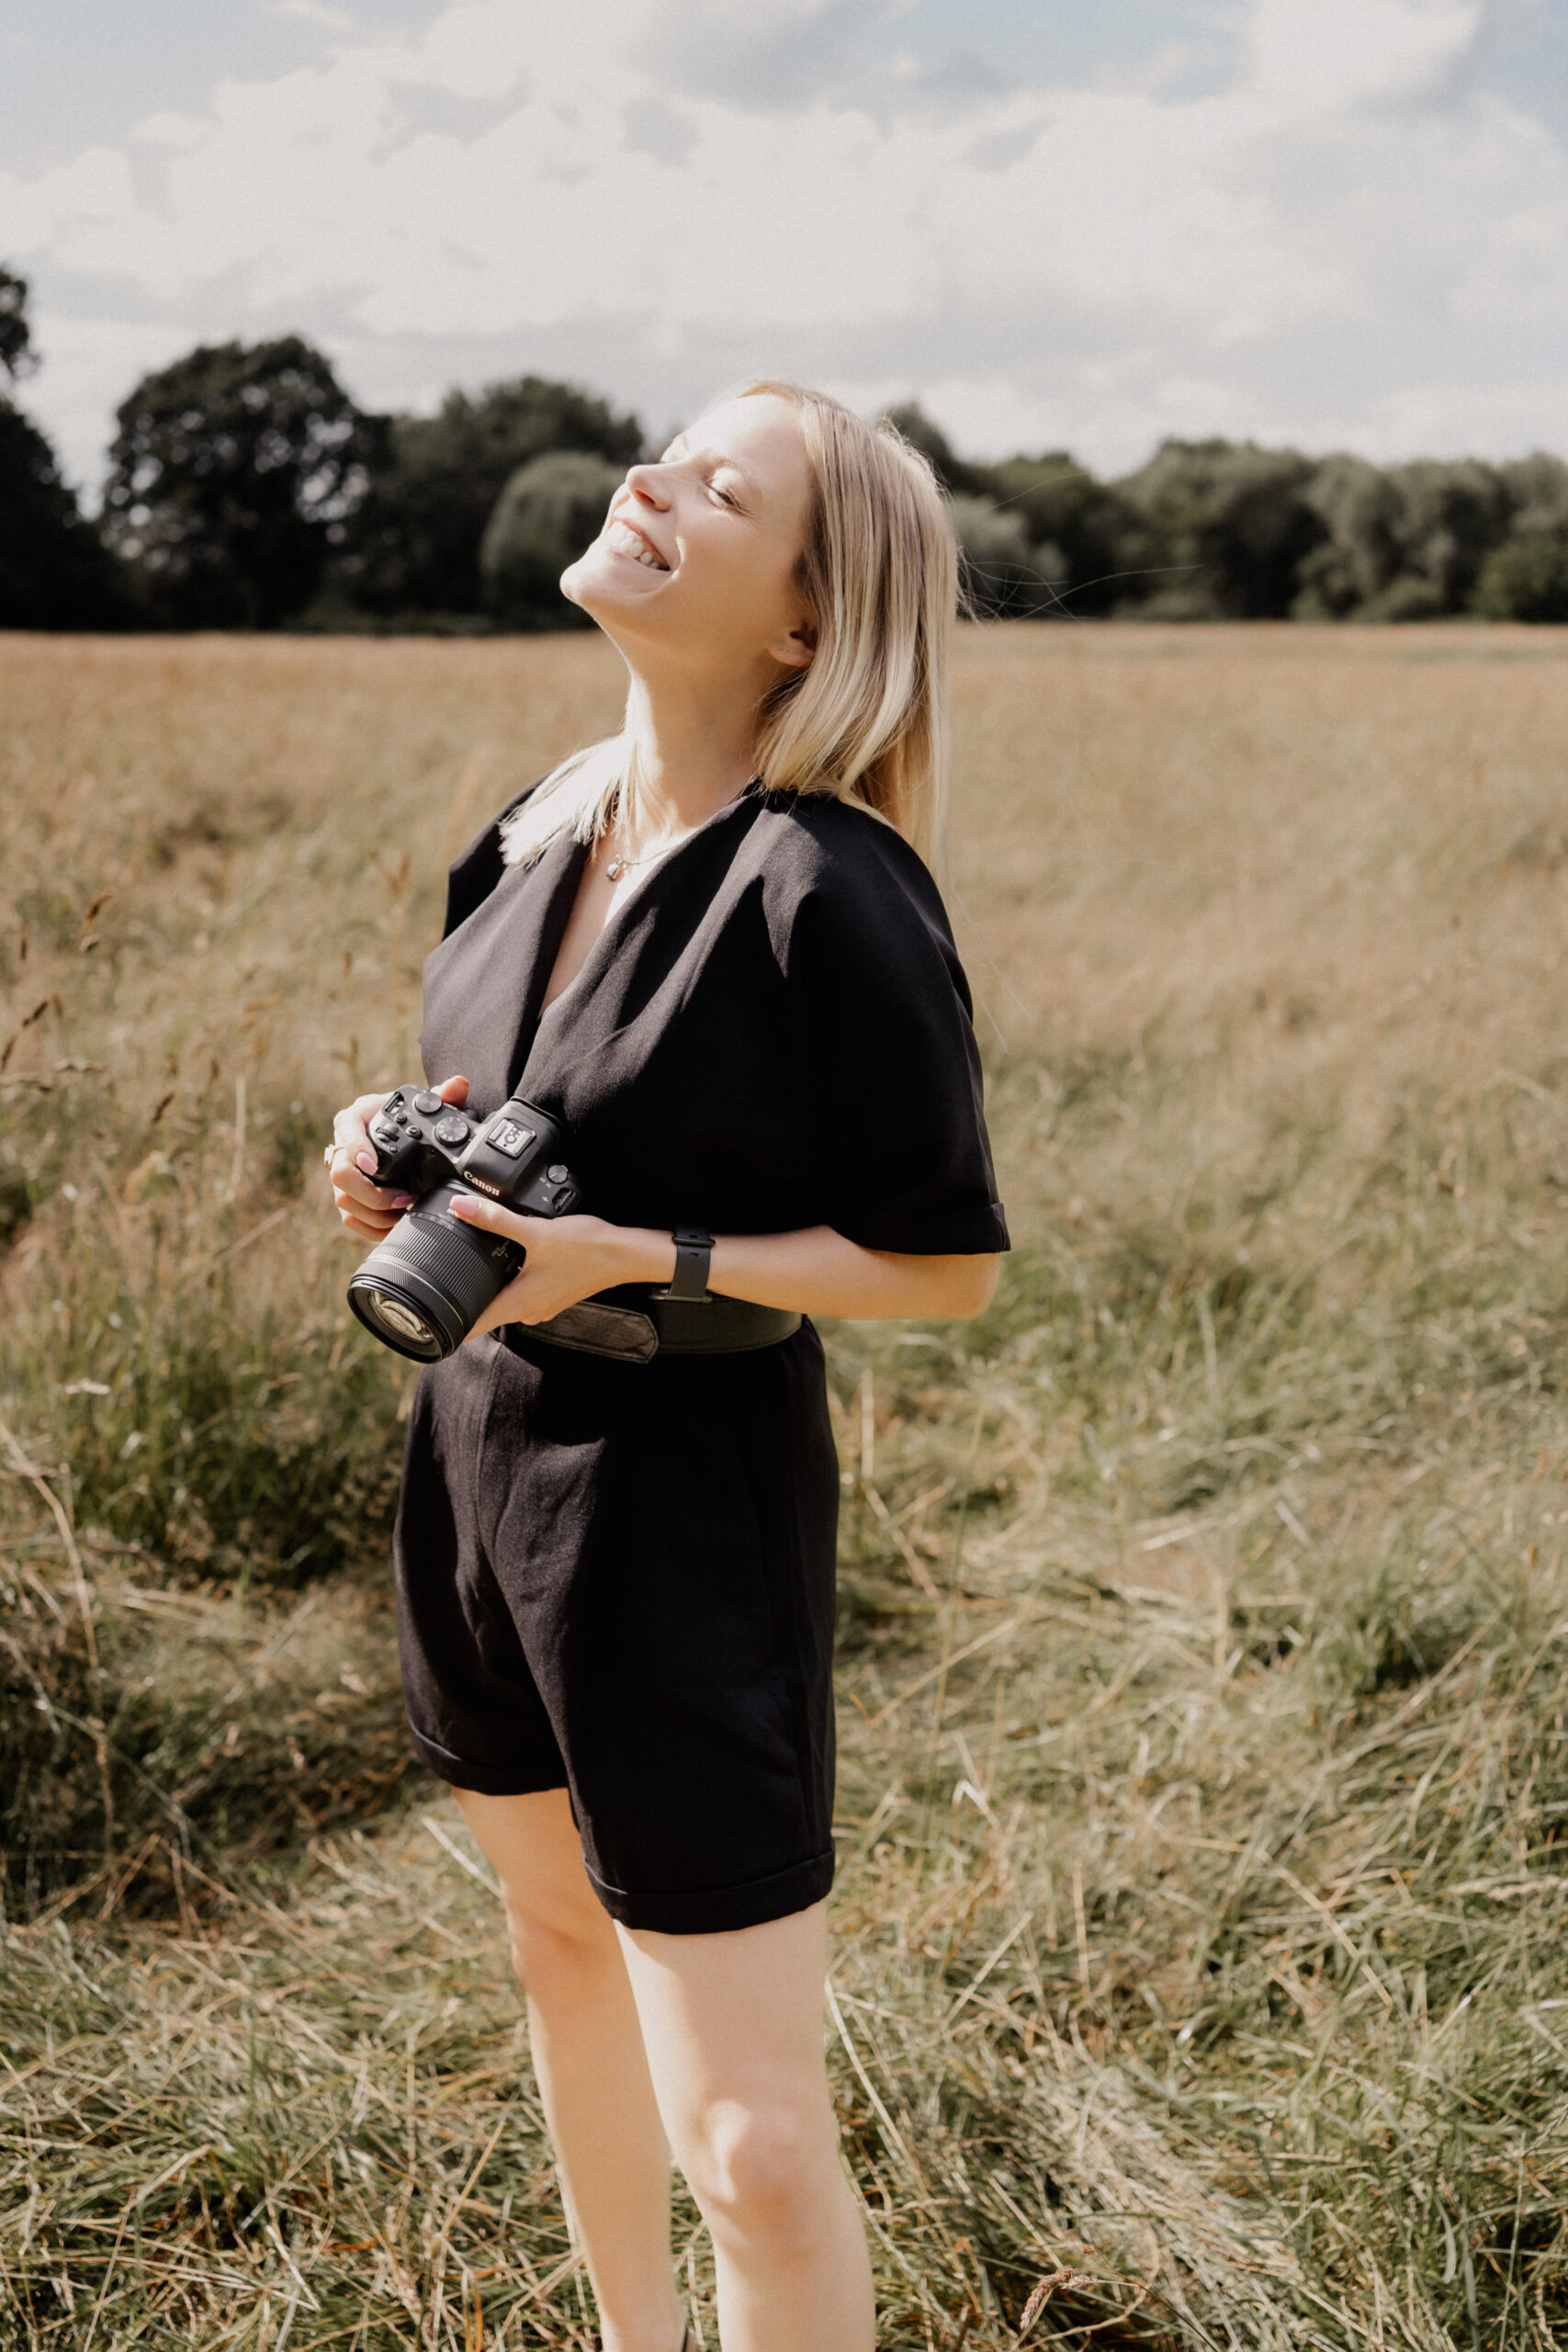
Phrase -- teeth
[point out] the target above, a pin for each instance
(628, 542)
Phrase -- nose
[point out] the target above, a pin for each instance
(647, 482)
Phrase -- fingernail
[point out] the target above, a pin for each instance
(462, 1205)
(368, 1162)
(402, 1200)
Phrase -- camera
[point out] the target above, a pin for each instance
(424, 1288)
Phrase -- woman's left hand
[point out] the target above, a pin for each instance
(568, 1259)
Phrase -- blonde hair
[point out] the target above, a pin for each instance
(865, 721)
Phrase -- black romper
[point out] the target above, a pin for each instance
(617, 1579)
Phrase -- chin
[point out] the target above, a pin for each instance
(604, 587)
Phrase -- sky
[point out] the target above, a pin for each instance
(1058, 224)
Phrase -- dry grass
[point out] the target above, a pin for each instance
(1205, 1630)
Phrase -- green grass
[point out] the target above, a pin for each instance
(1200, 1928)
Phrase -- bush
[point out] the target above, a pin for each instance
(1525, 580)
(549, 512)
(1002, 573)
(1406, 598)
(413, 548)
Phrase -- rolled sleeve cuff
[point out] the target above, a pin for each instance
(960, 1233)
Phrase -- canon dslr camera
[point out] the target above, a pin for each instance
(422, 1289)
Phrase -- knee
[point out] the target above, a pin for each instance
(765, 2172)
(560, 1959)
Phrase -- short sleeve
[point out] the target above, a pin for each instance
(891, 1061)
(474, 871)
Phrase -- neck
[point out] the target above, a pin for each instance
(696, 744)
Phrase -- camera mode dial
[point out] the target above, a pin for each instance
(452, 1130)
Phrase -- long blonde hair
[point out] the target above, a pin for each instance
(866, 721)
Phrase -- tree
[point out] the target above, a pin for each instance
(1361, 552)
(1525, 580)
(1452, 513)
(1537, 491)
(1002, 574)
(16, 334)
(1406, 543)
(958, 478)
(55, 572)
(1083, 536)
(232, 475)
(413, 548)
(549, 510)
(1236, 518)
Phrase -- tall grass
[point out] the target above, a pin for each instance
(1200, 1972)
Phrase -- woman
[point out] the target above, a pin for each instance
(711, 948)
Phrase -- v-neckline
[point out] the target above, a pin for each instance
(612, 919)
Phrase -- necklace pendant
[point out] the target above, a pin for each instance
(613, 871)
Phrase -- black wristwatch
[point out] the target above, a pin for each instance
(693, 1248)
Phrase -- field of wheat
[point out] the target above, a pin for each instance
(1201, 1975)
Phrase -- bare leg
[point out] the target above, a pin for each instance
(589, 2057)
(732, 2025)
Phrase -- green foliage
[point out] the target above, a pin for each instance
(923, 434)
(1360, 550)
(1525, 580)
(17, 357)
(55, 573)
(1452, 513)
(549, 510)
(1098, 544)
(231, 475)
(413, 548)
(247, 490)
(1002, 573)
(1232, 523)
(1406, 543)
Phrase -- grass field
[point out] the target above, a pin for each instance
(1200, 1972)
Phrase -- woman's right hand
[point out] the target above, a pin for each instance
(367, 1212)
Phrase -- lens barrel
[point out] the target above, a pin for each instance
(422, 1289)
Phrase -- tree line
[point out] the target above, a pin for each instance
(246, 489)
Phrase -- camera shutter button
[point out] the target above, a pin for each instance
(428, 1103)
(557, 1174)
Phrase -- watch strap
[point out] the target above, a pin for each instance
(693, 1248)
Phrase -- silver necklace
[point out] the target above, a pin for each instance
(619, 865)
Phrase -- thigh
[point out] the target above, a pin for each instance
(532, 1844)
(735, 2019)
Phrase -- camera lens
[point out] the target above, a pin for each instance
(424, 1288)
(396, 1319)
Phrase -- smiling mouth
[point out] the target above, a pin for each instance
(624, 540)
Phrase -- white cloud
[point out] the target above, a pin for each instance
(1334, 52)
(655, 194)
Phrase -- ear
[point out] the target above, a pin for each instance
(793, 648)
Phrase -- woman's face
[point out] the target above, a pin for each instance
(698, 554)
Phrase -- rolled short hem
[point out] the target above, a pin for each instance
(716, 1910)
(485, 1780)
